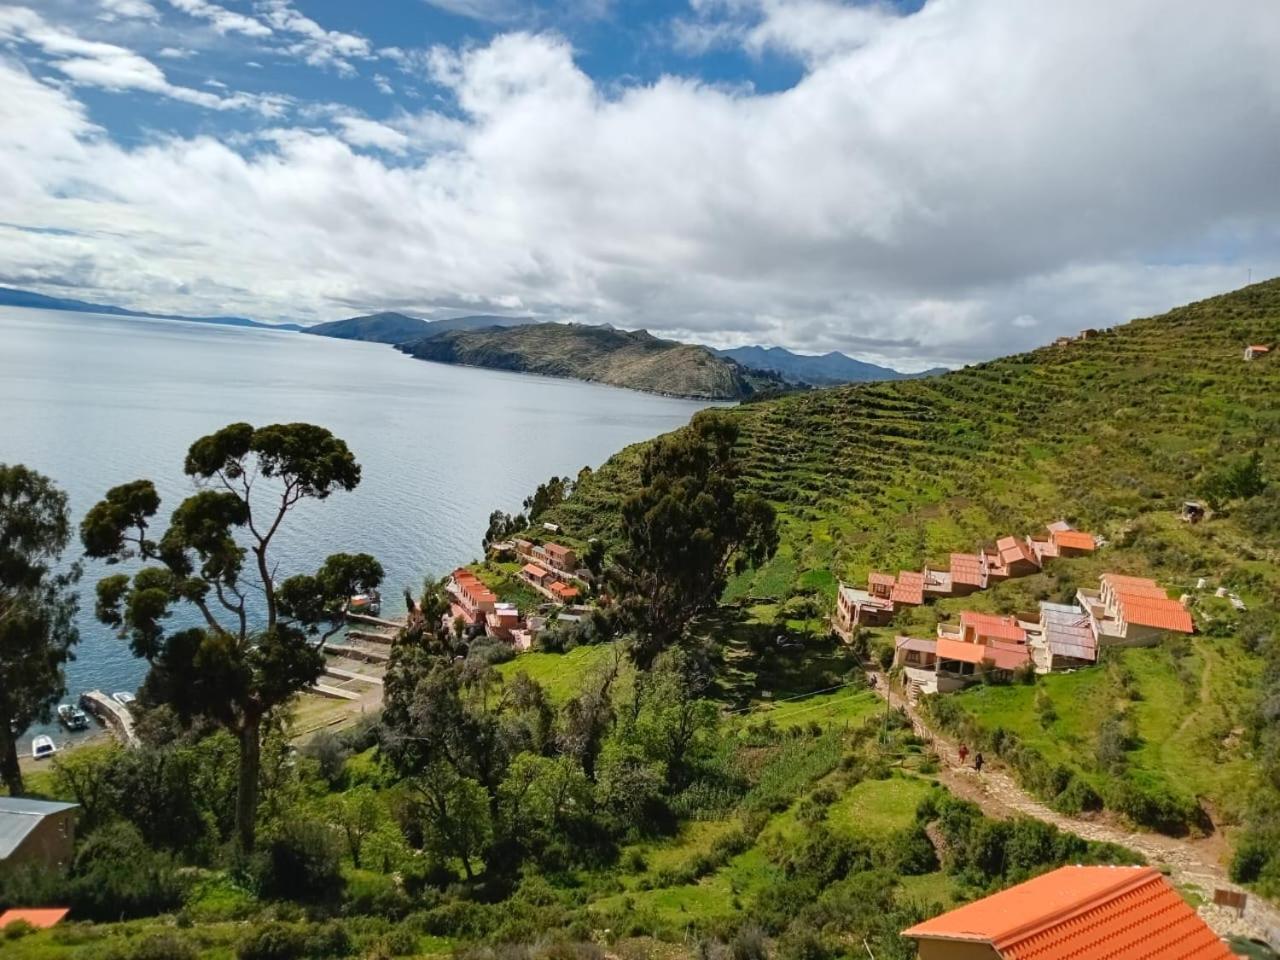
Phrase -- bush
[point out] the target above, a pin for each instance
(275, 941)
(330, 755)
(301, 862)
(168, 945)
(117, 876)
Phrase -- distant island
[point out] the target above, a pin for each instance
(393, 328)
(13, 297)
(637, 360)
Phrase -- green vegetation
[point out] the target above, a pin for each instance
(636, 360)
(1112, 432)
(37, 607)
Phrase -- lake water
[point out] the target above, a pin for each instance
(93, 401)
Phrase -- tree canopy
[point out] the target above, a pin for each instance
(37, 607)
(685, 530)
(246, 656)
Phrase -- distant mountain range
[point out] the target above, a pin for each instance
(12, 297)
(390, 327)
(602, 353)
(827, 369)
(637, 360)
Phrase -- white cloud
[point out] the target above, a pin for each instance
(316, 45)
(362, 132)
(127, 10)
(222, 19)
(927, 184)
(175, 53)
(112, 67)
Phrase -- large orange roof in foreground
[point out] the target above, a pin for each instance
(1077, 913)
(40, 918)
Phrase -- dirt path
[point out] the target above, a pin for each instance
(1191, 864)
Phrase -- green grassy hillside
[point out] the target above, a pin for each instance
(635, 360)
(1112, 432)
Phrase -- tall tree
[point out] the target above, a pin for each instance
(244, 659)
(37, 607)
(686, 529)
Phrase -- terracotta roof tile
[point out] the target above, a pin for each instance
(909, 588)
(1121, 913)
(878, 579)
(1159, 612)
(949, 649)
(1074, 540)
(966, 568)
(533, 570)
(991, 625)
(1135, 586)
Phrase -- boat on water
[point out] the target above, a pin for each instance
(42, 747)
(123, 698)
(370, 603)
(72, 717)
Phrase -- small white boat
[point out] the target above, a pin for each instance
(122, 698)
(72, 717)
(42, 747)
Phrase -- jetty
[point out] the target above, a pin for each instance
(116, 717)
(376, 621)
(335, 693)
(341, 673)
(384, 638)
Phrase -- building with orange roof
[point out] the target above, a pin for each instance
(1014, 558)
(1255, 350)
(909, 588)
(983, 627)
(469, 598)
(42, 918)
(968, 573)
(535, 574)
(1073, 543)
(563, 592)
(1133, 611)
(880, 584)
(1074, 913)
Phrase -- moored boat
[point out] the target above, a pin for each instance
(42, 747)
(370, 602)
(123, 698)
(72, 717)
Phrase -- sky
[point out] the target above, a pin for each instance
(910, 183)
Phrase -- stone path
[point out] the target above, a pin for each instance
(1190, 864)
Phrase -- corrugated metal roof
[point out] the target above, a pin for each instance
(917, 644)
(19, 816)
(1068, 631)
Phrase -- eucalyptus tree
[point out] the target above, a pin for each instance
(689, 525)
(256, 641)
(37, 607)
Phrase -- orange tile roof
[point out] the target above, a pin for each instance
(41, 918)
(909, 588)
(878, 579)
(966, 568)
(1259, 348)
(1121, 913)
(1159, 612)
(556, 549)
(563, 590)
(1007, 656)
(1074, 539)
(990, 625)
(949, 649)
(1135, 586)
(1012, 550)
(533, 570)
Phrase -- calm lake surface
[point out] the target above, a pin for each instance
(93, 401)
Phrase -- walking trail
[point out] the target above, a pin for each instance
(1192, 865)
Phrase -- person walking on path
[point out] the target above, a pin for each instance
(964, 754)
(977, 761)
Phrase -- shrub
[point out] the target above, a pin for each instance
(116, 875)
(168, 945)
(274, 941)
(300, 862)
(330, 755)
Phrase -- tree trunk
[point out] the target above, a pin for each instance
(247, 792)
(9, 769)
